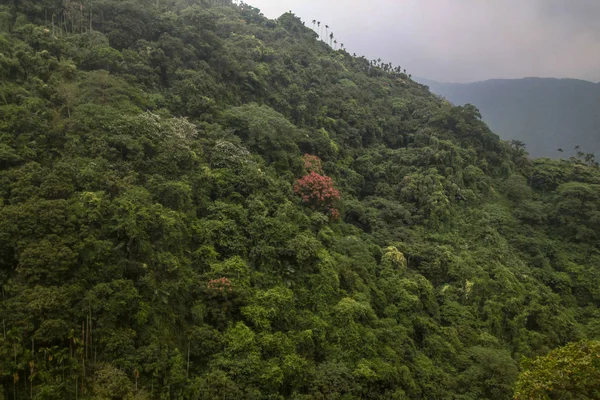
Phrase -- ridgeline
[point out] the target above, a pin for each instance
(553, 117)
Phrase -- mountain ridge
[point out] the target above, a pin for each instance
(546, 113)
(426, 81)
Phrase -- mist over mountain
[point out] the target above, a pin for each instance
(546, 113)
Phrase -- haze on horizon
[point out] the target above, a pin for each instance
(463, 40)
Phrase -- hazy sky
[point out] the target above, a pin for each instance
(463, 40)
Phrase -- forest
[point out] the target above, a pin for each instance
(198, 202)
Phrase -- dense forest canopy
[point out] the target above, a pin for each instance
(197, 202)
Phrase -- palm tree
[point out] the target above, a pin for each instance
(319, 25)
(335, 44)
(342, 46)
(326, 30)
(331, 39)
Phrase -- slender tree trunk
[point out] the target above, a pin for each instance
(3, 319)
(91, 330)
(32, 366)
(87, 338)
(13, 16)
(83, 355)
(188, 361)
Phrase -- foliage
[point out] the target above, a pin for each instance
(312, 164)
(572, 371)
(317, 191)
(155, 242)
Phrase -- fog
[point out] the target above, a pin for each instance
(463, 40)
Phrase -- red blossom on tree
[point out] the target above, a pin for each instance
(317, 191)
(220, 285)
(312, 164)
(334, 214)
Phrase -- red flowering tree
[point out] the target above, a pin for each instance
(312, 164)
(317, 191)
(334, 214)
(219, 286)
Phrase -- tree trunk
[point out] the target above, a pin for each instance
(188, 361)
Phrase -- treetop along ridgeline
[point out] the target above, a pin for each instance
(197, 202)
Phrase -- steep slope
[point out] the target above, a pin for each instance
(546, 114)
(198, 202)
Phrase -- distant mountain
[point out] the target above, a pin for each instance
(546, 114)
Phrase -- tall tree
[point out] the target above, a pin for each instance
(572, 371)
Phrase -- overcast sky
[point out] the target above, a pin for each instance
(463, 40)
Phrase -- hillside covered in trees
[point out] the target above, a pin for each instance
(197, 202)
(551, 116)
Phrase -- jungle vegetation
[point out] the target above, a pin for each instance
(197, 202)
